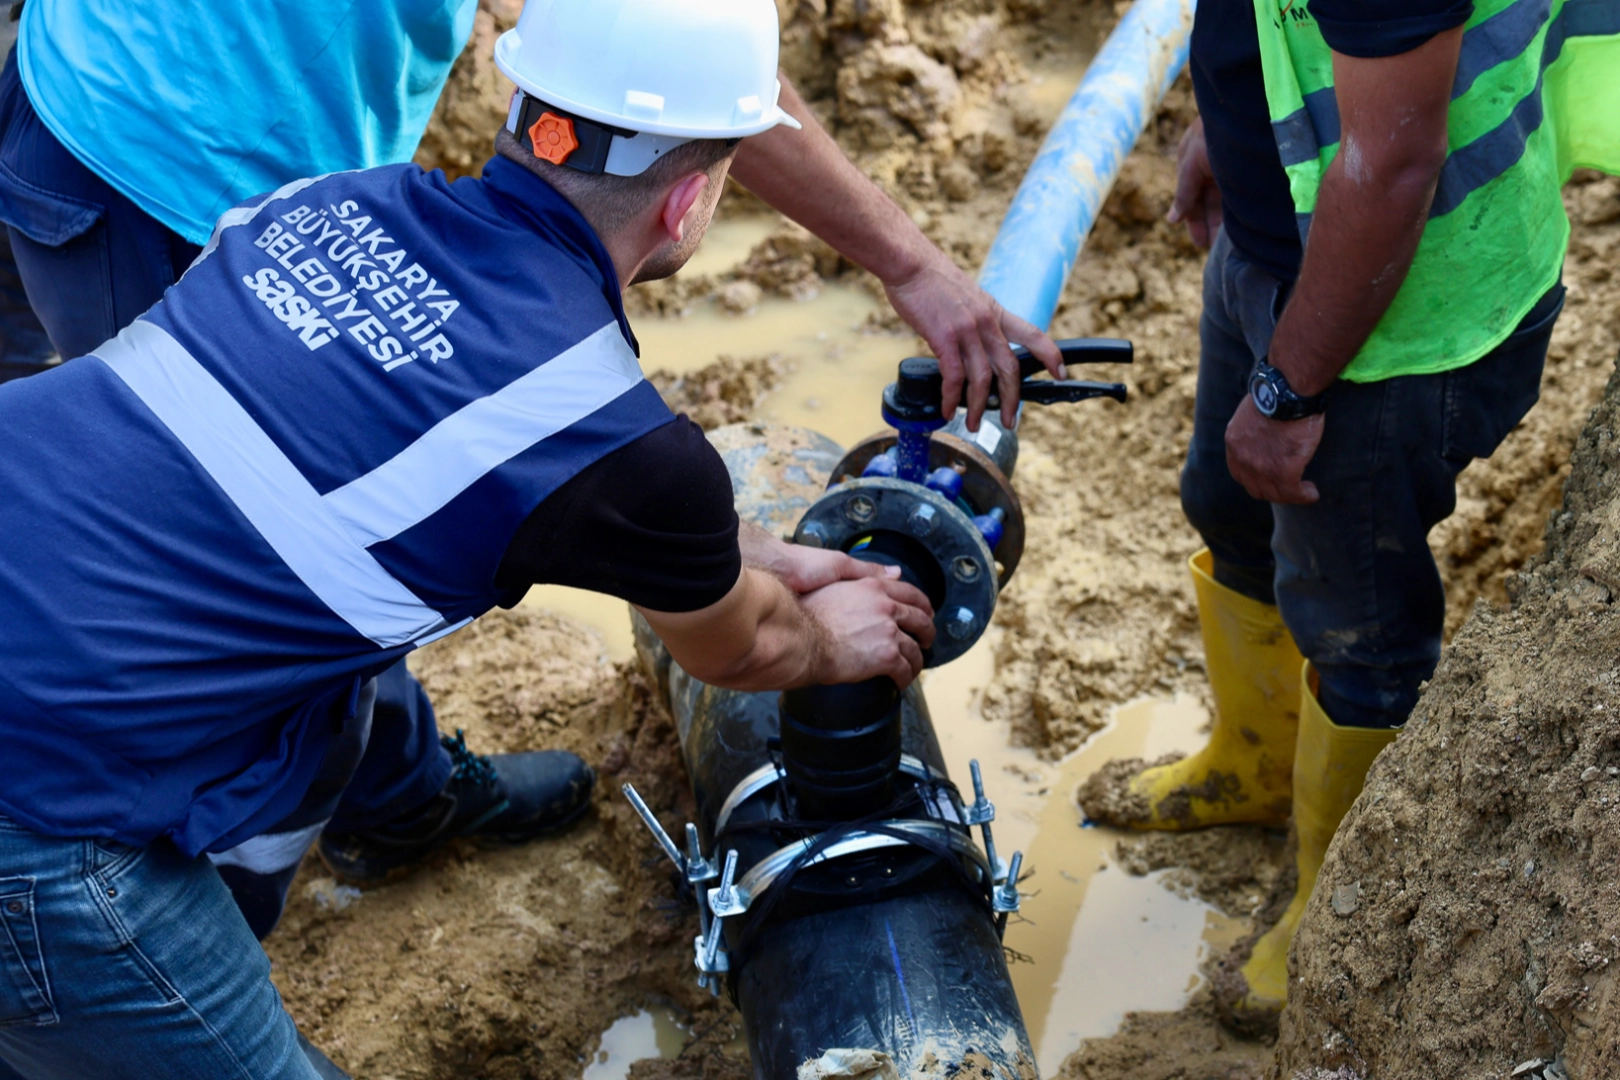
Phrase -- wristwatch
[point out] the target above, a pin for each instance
(1276, 400)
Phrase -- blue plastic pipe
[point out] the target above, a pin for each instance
(1066, 184)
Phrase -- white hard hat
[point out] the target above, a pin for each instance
(676, 70)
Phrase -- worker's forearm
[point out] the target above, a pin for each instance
(1371, 207)
(806, 176)
(765, 641)
(1363, 236)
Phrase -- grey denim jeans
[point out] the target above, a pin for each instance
(1352, 574)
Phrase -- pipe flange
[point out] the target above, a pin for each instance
(879, 509)
(983, 486)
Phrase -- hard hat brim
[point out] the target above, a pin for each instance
(773, 116)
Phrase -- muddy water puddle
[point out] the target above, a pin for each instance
(650, 1033)
(1092, 941)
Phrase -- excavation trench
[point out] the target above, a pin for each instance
(514, 964)
(1092, 941)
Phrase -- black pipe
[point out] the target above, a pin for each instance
(891, 948)
(895, 949)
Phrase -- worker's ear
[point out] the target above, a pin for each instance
(680, 200)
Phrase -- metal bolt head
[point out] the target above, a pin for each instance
(922, 520)
(860, 509)
(961, 623)
(813, 535)
(965, 568)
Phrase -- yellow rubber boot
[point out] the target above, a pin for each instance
(1245, 774)
(1330, 768)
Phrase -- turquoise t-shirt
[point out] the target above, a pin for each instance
(190, 107)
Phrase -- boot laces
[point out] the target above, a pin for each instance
(465, 766)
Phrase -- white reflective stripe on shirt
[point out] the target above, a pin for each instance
(241, 215)
(265, 486)
(484, 434)
(270, 853)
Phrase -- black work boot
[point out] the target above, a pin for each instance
(507, 798)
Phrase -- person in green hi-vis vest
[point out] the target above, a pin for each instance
(1379, 183)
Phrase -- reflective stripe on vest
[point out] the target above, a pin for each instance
(1305, 133)
(1533, 79)
(323, 539)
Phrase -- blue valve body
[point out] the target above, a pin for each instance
(911, 449)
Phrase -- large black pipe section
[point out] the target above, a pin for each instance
(891, 950)
(890, 946)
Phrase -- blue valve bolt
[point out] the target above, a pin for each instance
(946, 481)
(883, 465)
(991, 526)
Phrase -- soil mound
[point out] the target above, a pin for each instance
(1483, 858)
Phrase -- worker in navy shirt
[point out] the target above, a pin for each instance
(125, 131)
(1378, 184)
(378, 405)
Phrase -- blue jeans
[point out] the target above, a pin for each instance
(91, 261)
(1352, 574)
(119, 962)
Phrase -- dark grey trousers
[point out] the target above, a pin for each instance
(1352, 574)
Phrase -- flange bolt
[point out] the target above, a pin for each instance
(814, 534)
(922, 519)
(860, 509)
(965, 568)
(961, 624)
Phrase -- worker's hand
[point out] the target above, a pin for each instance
(968, 331)
(1268, 457)
(870, 627)
(806, 569)
(1198, 200)
(802, 569)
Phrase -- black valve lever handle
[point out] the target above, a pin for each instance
(1078, 351)
(1054, 391)
(1058, 392)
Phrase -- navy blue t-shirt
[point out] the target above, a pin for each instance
(1231, 92)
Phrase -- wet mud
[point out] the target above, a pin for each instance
(513, 963)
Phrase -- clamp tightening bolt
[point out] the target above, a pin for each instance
(1005, 897)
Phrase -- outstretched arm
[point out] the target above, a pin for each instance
(806, 176)
(1370, 213)
(799, 617)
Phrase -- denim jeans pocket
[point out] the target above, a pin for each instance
(25, 989)
(110, 859)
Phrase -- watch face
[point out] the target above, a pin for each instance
(1265, 396)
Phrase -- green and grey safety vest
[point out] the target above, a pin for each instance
(1537, 94)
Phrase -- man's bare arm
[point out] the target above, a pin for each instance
(764, 636)
(1370, 213)
(807, 177)
(1371, 209)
